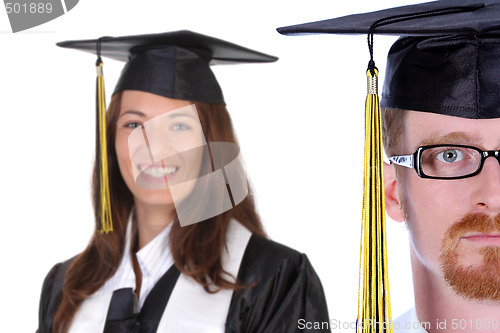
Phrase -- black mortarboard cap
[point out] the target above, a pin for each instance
(447, 60)
(172, 64)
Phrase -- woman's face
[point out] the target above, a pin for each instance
(159, 146)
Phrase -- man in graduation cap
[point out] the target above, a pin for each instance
(441, 131)
(178, 245)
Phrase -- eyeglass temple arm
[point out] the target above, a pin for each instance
(403, 160)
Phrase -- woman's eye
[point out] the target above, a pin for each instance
(132, 125)
(180, 127)
(450, 156)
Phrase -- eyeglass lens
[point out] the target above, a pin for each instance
(450, 161)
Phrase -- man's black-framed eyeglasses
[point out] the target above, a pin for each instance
(446, 161)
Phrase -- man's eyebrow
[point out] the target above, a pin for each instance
(450, 138)
(134, 112)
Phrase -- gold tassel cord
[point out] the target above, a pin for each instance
(374, 306)
(105, 222)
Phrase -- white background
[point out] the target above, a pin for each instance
(299, 122)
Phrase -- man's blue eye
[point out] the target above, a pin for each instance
(450, 156)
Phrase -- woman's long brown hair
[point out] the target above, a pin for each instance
(196, 249)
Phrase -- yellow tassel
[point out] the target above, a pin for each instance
(105, 222)
(374, 305)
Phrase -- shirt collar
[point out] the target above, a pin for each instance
(156, 256)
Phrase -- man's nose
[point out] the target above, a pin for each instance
(488, 191)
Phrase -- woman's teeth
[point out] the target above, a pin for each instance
(159, 171)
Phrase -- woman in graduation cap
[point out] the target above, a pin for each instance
(178, 245)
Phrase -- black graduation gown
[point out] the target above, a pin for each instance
(288, 290)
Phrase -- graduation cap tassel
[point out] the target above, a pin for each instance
(374, 307)
(104, 219)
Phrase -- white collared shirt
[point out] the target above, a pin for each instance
(154, 260)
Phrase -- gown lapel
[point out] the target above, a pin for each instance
(154, 306)
(90, 316)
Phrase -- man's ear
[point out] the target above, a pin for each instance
(392, 202)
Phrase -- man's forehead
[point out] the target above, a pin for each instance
(424, 128)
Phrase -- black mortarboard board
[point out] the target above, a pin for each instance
(172, 64)
(447, 61)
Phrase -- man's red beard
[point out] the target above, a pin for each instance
(478, 281)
